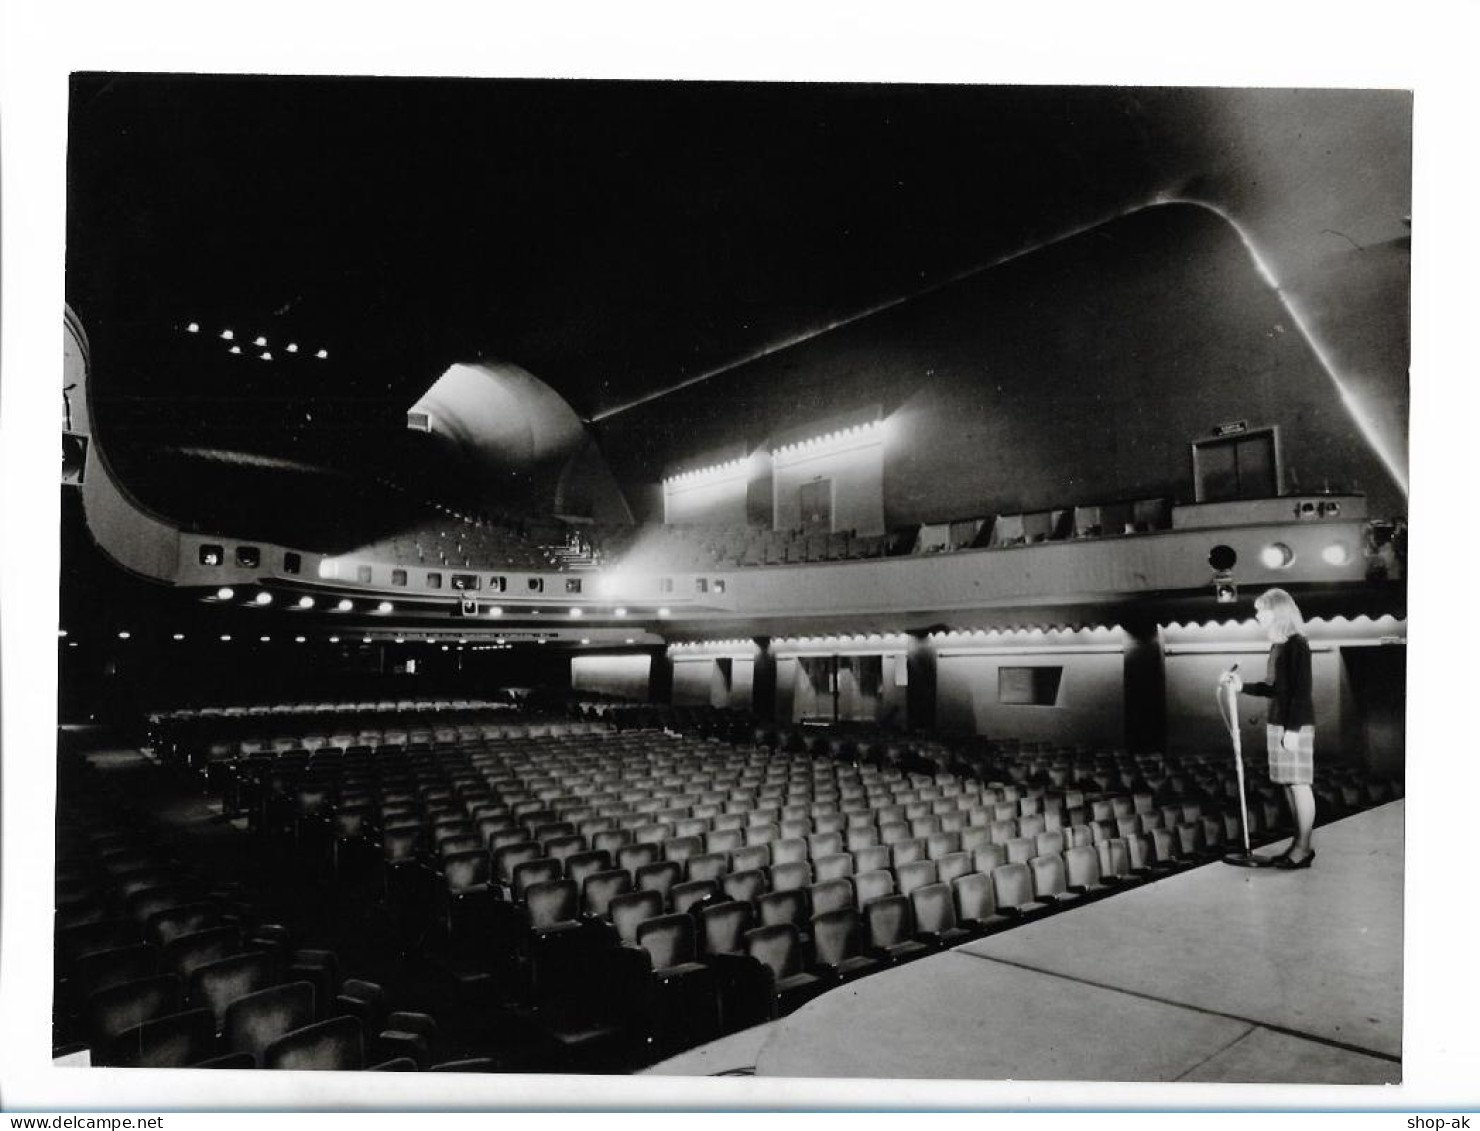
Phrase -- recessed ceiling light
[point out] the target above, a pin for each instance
(193, 328)
(123, 635)
(365, 640)
(225, 593)
(322, 354)
(226, 638)
(575, 612)
(299, 639)
(630, 640)
(345, 605)
(259, 340)
(265, 639)
(620, 612)
(586, 640)
(305, 602)
(235, 349)
(292, 347)
(384, 607)
(263, 598)
(227, 335)
(266, 355)
(496, 611)
(663, 612)
(178, 636)
(333, 640)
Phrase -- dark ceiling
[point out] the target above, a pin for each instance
(613, 238)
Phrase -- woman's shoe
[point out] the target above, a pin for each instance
(1290, 863)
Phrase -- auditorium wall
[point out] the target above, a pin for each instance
(1194, 724)
(1077, 373)
(626, 676)
(1089, 708)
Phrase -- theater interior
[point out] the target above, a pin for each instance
(602, 577)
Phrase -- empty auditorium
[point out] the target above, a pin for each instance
(695, 578)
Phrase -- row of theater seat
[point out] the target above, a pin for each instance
(158, 966)
(511, 831)
(524, 848)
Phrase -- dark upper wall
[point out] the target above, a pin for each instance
(1080, 372)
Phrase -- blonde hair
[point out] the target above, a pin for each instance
(1285, 619)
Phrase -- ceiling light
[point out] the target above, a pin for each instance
(123, 635)
(586, 640)
(266, 355)
(61, 632)
(498, 639)
(235, 349)
(575, 612)
(225, 593)
(226, 638)
(305, 602)
(265, 639)
(365, 640)
(400, 640)
(178, 636)
(496, 611)
(292, 347)
(663, 612)
(384, 607)
(345, 605)
(620, 612)
(193, 328)
(299, 639)
(263, 598)
(333, 640)
(322, 354)
(259, 340)
(227, 335)
(1336, 554)
(630, 640)
(71, 644)
(1276, 555)
(462, 639)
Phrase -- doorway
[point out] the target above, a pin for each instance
(1245, 466)
(815, 506)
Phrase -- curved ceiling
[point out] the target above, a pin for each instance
(620, 239)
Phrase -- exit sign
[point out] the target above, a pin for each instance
(1231, 429)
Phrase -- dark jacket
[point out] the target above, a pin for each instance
(1287, 685)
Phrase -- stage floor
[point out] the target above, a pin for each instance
(1217, 975)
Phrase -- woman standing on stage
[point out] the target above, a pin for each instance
(1291, 727)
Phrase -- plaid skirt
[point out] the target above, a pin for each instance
(1287, 766)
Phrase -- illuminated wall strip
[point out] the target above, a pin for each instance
(831, 443)
(1033, 650)
(714, 473)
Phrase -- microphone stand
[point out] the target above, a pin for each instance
(1228, 708)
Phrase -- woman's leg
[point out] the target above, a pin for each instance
(1303, 806)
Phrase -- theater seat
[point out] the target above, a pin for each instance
(779, 949)
(935, 917)
(112, 1010)
(256, 1020)
(337, 1044)
(176, 1040)
(216, 985)
(891, 927)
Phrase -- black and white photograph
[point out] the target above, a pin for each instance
(716, 577)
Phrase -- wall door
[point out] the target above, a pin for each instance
(816, 506)
(1237, 467)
